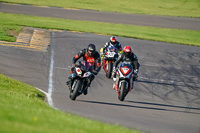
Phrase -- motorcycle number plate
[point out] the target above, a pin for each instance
(111, 54)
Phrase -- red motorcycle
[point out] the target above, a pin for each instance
(110, 57)
(124, 80)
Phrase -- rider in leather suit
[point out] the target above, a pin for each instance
(90, 55)
(129, 56)
(113, 41)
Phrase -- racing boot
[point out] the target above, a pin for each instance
(135, 77)
(114, 75)
(88, 85)
(114, 86)
(90, 81)
(85, 92)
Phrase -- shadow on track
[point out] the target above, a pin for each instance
(164, 105)
(166, 83)
(143, 107)
(181, 90)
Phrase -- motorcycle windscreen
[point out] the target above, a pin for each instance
(125, 70)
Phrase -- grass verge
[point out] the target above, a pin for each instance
(188, 37)
(23, 110)
(186, 8)
(9, 32)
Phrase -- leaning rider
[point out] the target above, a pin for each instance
(91, 56)
(128, 56)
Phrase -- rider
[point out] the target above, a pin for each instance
(129, 56)
(91, 56)
(113, 41)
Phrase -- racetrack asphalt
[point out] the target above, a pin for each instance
(165, 99)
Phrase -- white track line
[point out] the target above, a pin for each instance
(47, 95)
(42, 91)
(50, 90)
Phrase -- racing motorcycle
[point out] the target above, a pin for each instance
(110, 57)
(80, 79)
(124, 80)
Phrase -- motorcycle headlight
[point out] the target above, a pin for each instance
(78, 71)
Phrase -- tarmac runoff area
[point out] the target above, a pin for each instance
(31, 39)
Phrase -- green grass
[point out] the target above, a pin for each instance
(187, 8)
(16, 21)
(9, 32)
(23, 110)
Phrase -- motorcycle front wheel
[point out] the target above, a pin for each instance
(76, 87)
(110, 65)
(123, 91)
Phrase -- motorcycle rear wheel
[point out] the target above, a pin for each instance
(78, 84)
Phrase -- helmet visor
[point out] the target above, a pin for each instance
(90, 52)
(128, 54)
(113, 43)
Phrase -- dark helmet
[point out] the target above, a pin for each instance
(91, 49)
(127, 51)
(113, 40)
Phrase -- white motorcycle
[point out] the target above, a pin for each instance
(80, 79)
(124, 80)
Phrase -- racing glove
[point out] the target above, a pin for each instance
(136, 71)
(73, 66)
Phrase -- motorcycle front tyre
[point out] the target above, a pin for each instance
(78, 84)
(110, 65)
(123, 91)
